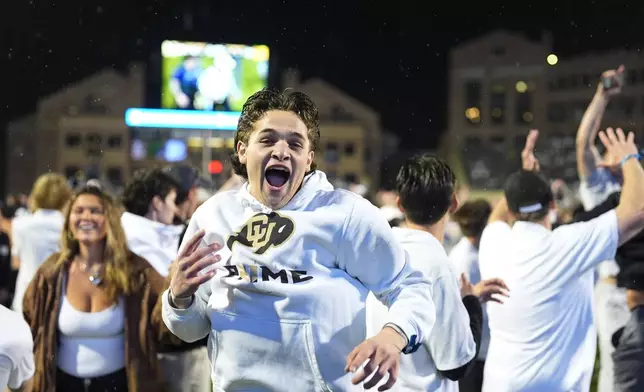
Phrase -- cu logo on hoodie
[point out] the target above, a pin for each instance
(263, 231)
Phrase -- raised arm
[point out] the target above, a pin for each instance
(529, 162)
(587, 154)
(630, 210)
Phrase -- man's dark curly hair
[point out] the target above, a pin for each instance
(138, 193)
(266, 100)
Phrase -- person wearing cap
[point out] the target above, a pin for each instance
(543, 338)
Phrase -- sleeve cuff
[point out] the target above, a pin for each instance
(408, 331)
(193, 309)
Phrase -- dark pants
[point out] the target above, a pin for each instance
(628, 357)
(473, 380)
(115, 382)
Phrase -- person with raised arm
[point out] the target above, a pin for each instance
(597, 182)
(282, 297)
(543, 337)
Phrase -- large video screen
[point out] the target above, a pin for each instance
(211, 77)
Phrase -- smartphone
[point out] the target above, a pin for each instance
(612, 82)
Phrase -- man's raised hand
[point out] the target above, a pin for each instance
(186, 277)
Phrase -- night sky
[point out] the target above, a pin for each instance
(390, 55)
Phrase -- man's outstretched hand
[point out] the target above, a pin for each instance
(383, 352)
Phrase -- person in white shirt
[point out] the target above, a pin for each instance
(596, 184)
(16, 352)
(35, 237)
(426, 195)
(472, 218)
(542, 336)
(150, 203)
(286, 307)
(150, 208)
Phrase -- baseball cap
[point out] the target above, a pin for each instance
(527, 192)
(187, 177)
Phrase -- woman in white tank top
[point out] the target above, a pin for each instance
(91, 307)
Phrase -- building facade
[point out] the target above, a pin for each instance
(78, 131)
(352, 141)
(503, 84)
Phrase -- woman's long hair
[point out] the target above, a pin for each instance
(118, 278)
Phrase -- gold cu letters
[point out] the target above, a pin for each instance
(259, 231)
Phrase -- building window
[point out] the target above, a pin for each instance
(114, 141)
(498, 51)
(473, 97)
(351, 178)
(585, 80)
(71, 171)
(115, 176)
(349, 149)
(331, 174)
(556, 112)
(93, 138)
(497, 106)
(524, 113)
(94, 145)
(331, 153)
(73, 140)
(93, 105)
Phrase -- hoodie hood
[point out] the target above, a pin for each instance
(313, 184)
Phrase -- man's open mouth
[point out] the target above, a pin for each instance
(277, 176)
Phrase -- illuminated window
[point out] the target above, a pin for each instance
(497, 106)
(523, 105)
(473, 98)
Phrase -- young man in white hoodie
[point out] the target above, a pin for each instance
(285, 307)
(426, 195)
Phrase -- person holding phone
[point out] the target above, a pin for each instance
(600, 177)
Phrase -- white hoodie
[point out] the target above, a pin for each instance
(288, 304)
(154, 241)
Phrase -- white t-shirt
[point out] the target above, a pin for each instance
(35, 237)
(16, 350)
(157, 243)
(543, 337)
(288, 302)
(465, 260)
(450, 344)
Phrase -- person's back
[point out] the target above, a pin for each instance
(453, 346)
(35, 238)
(425, 188)
(543, 334)
(543, 338)
(16, 352)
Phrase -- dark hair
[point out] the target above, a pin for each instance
(145, 185)
(425, 185)
(472, 217)
(266, 100)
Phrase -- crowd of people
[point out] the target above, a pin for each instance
(282, 282)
